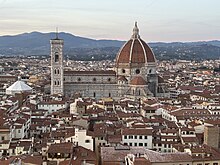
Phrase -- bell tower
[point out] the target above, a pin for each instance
(56, 65)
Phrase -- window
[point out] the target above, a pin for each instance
(140, 144)
(140, 137)
(150, 71)
(55, 71)
(145, 137)
(109, 95)
(123, 70)
(58, 71)
(94, 79)
(145, 144)
(125, 137)
(135, 136)
(87, 141)
(109, 79)
(130, 144)
(130, 137)
(94, 95)
(79, 79)
(3, 138)
(56, 59)
(135, 144)
(55, 83)
(19, 131)
(137, 71)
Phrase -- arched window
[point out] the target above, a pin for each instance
(58, 71)
(58, 82)
(56, 58)
(55, 71)
(55, 83)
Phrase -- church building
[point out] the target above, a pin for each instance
(134, 75)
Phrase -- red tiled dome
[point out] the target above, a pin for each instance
(135, 50)
(122, 78)
(160, 79)
(138, 81)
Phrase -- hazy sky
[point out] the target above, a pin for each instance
(158, 20)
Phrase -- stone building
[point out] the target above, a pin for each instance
(212, 136)
(134, 75)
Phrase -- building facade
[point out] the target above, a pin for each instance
(134, 74)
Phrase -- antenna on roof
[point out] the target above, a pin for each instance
(56, 32)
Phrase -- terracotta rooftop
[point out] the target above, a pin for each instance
(139, 131)
(112, 154)
(61, 148)
(81, 156)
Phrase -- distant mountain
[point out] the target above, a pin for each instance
(81, 48)
(39, 43)
(187, 51)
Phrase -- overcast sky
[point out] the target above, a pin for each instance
(158, 20)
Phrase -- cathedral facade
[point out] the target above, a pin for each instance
(134, 75)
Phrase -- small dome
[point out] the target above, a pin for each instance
(138, 81)
(135, 50)
(122, 78)
(18, 87)
(160, 79)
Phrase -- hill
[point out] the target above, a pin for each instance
(81, 48)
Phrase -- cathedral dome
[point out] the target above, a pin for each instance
(135, 50)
